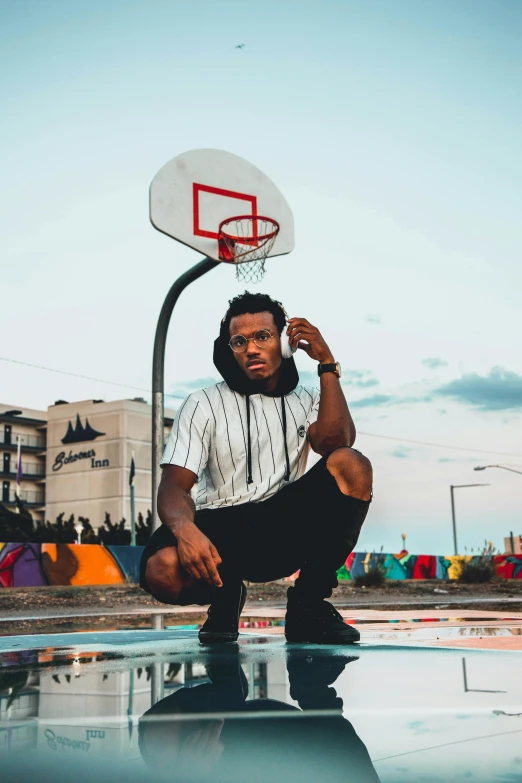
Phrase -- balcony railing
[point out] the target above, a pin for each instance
(29, 469)
(26, 440)
(31, 498)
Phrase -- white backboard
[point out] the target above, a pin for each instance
(192, 193)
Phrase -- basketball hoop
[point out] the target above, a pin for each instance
(246, 241)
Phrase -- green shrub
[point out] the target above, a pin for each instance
(375, 577)
(19, 526)
(143, 529)
(114, 532)
(477, 571)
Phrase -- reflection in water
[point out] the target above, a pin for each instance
(214, 731)
(261, 711)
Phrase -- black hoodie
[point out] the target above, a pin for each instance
(238, 381)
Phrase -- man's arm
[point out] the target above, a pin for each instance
(176, 509)
(334, 426)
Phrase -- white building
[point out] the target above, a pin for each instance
(76, 458)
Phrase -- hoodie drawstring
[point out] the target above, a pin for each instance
(283, 409)
(249, 451)
(249, 448)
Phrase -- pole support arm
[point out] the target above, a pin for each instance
(158, 370)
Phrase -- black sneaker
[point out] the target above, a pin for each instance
(317, 622)
(312, 675)
(222, 624)
(228, 676)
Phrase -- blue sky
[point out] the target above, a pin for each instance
(393, 128)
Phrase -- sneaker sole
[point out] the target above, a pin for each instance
(217, 638)
(300, 639)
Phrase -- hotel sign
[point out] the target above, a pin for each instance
(62, 459)
(79, 433)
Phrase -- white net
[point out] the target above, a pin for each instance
(246, 241)
(250, 271)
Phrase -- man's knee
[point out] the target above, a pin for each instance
(163, 577)
(352, 471)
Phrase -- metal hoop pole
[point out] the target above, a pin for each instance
(158, 370)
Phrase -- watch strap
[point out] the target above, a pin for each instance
(322, 368)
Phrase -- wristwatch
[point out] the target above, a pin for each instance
(335, 368)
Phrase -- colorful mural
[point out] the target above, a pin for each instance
(36, 565)
(407, 566)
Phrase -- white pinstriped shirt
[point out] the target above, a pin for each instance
(209, 437)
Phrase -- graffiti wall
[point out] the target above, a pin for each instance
(407, 566)
(35, 565)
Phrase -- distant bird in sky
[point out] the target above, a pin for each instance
(239, 46)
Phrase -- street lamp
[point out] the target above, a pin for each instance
(473, 690)
(511, 470)
(453, 487)
(502, 467)
(79, 530)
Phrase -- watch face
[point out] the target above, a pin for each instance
(339, 373)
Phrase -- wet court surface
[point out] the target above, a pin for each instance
(427, 696)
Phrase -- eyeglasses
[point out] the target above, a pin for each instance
(239, 344)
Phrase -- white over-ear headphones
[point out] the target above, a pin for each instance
(287, 350)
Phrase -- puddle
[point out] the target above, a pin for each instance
(271, 622)
(154, 704)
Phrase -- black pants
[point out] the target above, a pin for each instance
(309, 525)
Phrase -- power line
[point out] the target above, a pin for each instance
(85, 377)
(179, 397)
(447, 744)
(438, 445)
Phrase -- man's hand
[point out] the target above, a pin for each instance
(334, 426)
(198, 555)
(300, 329)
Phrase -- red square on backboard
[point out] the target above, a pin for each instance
(229, 194)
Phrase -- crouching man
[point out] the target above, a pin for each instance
(258, 516)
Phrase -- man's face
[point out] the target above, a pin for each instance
(258, 362)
